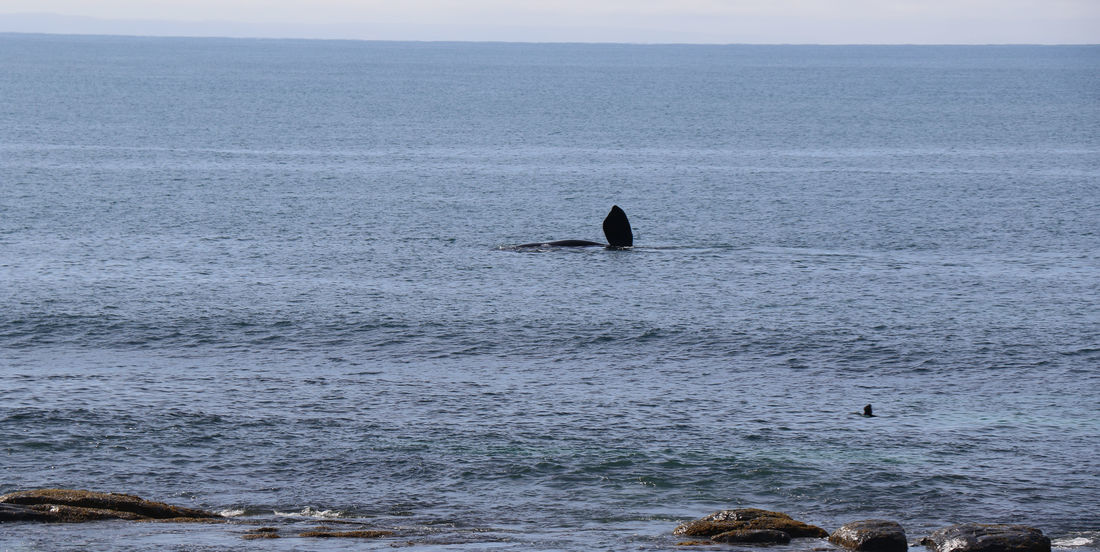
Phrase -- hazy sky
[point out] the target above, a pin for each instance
(722, 21)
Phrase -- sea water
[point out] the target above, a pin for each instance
(277, 279)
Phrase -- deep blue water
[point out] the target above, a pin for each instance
(279, 276)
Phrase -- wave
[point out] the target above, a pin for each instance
(409, 339)
(311, 512)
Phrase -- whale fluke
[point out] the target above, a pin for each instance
(616, 228)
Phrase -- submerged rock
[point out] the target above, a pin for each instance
(872, 535)
(261, 533)
(981, 537)
(254, 536)
(753, 536)
(748, 519)
(70, 506)
(361, 534)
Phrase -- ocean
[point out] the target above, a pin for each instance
(278, 279)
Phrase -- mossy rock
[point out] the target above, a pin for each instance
(254, 536)
(71, 505)
(743, 514)
(261, 533)
(794, 528)
(17, 512)
(77, 514)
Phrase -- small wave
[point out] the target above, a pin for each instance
(1082, 352)
(1071, 542)
(231, 512)
(310, 512)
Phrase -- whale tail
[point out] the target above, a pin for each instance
(616, 228)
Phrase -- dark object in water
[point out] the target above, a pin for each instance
(867, 411)
(753, 536)
(616, 228)
(981, 537)
(72, 505)
(871, 535)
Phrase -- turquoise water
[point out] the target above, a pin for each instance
(278, 279)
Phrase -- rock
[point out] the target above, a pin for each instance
(748, 519)
(58, 513)
(980, 537)
(351, 534)
(261, 533)
(75, 514)
(254, 536)
(743, 514)
(754, 536)
(872, 535)
(69, 505)
(15, 512)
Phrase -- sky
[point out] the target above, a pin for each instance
(635, 21)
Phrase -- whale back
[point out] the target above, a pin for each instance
(616, 228)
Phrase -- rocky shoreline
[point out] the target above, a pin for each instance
(755, 526)
(744, 526)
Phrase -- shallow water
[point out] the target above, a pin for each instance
(279, 276)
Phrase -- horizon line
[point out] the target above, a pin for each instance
(561, 42)
(266, 31)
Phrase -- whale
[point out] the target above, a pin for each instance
(616, 228)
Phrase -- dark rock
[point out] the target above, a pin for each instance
(754, 536)
(15, 512)
(347, 534)
(980, 537)
(75, 514)
(748, 519)
(872, 535)
(261, 533)
(183, 520)
(69, 505)
(57, 513)
(254, 536)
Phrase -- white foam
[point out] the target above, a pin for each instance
(231, 513)
(1071, 541)
(310, 512)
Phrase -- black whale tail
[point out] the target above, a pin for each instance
(616, 228)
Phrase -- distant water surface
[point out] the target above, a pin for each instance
(277, 279)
